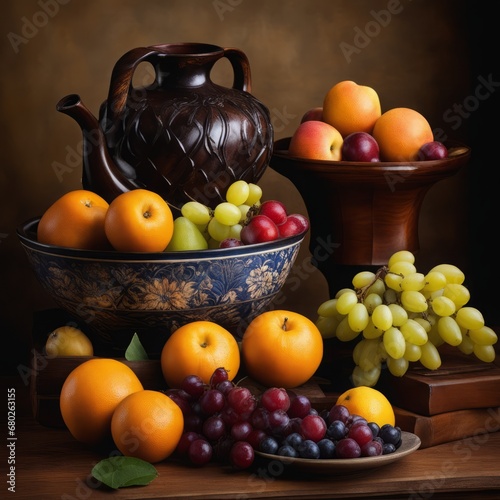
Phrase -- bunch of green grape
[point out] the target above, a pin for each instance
(403, 316)
(227, 218)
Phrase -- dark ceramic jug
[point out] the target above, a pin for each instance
(183, 136)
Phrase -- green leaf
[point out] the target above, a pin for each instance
(120, 472)
(135, 351)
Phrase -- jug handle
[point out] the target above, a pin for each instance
(121, 80)
(241, 69)
(123, 71)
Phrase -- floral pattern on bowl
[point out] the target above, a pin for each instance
(117, 294)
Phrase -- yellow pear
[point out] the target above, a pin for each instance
(68, 341)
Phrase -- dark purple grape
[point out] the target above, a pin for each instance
(336, 430)
(193, 385)
(200, 452)
(326, 448)
(347, 448)
(278, 421)
(214, 428)
(371, 449)
(212, 401)
(260, 418)
(255, 437)
(185, 441)
(390, 434)
(225, 386)
(339, 412)
(268, 445)
(294, 440)
(309, 449)
(219, 375)
(300, 406)
(287, 450)
(388, 448)
(375, 428)
(241, 455)
(241, 430)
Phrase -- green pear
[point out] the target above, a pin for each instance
(186, 236)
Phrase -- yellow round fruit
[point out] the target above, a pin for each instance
(147, 425)
(368, 403)
(90, 394)
(68, 341)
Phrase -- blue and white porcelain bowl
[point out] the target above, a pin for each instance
(118, 294)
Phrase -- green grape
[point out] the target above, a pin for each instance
(425, 323)
(237, 193)
(412, 352)
(358, 317)
(327, 326)
(485, 353)
(397, 367)
(413, 301)
(382, 317)
(466, 346)
(346, 301)
(363, 279)
(367, 355)
(401, 256)
(452, 273)
(413, 281)
(403, 268)
(394, 342)
(254, 195)
(217, 231)
(399, 314)
(344, 332)
(434, 337)
(443, 306)
(328, 308)
(368, 378)
(227, 213)
(434, 280)
(390, 296)
(449, 330)
(196, 212)
(470, 318)
(458, 293)
(342, 291)
(377, 287)
(414, 332)
(430, 357)
(244, 211)
(371, 331)
(371, 301)
(393, 281)
(483, 336)
(235, 231)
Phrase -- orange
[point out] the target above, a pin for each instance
(368, 403)
(139, 221)
(75, 220)
(147, 425)
(90, 394)
(400, 132)
(281, 349)
(199, 348)
(350, 107)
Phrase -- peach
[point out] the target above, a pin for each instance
(350, 107)
(316, 140)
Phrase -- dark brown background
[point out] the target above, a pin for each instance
(426, 55)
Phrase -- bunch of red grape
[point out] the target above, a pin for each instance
(225, 422)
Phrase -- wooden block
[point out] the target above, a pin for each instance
(449, 426)
(462, 382)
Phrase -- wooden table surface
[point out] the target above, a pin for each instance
(50, 464)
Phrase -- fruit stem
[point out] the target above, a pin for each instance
(283, 327)
(381, 273)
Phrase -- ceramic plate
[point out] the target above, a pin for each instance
(410, 443)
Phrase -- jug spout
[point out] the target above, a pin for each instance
(100, 173)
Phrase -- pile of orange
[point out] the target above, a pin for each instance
(135, 221)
